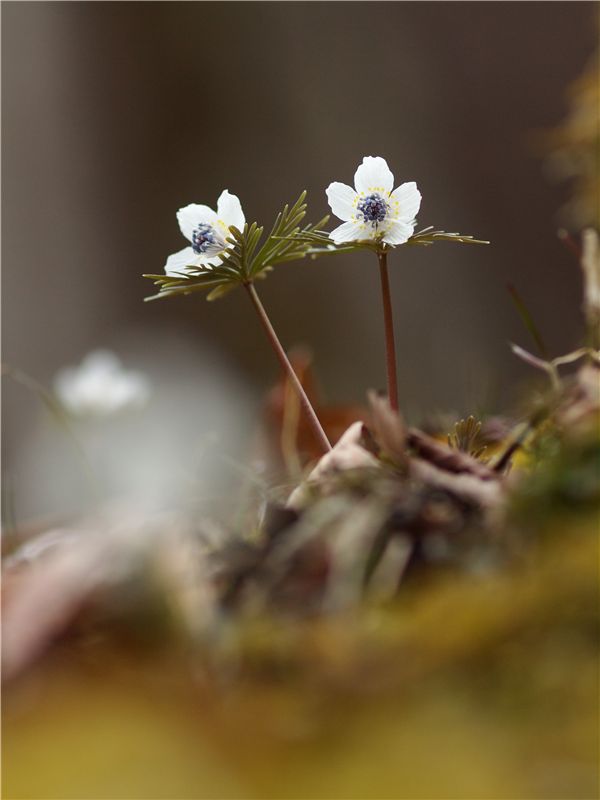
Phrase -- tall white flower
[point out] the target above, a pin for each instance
(374, 211)
(207, 230)
(100, 386)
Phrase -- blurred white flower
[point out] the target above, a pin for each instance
(374, 211)
(207, 230)
(100, 386)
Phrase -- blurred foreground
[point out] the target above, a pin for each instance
(414, 623)
(473, 689)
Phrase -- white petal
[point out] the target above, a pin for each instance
(100, 361)
(179, 261)
(406, 202)
(398, 232)
(131, 389)
(349, 232)
(191, 216)
(373, 175)
(342, 200)
(229, 210)
(100, 385)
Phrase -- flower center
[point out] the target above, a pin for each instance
(373, 208)
(202, 238)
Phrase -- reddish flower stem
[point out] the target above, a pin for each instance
(287, 368)
(388, 321)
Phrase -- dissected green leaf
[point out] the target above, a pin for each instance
(219, 291)
(320, 243)
(428, 236)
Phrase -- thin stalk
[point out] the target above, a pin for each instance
(388, 321)
(56, 410)
(287, 368)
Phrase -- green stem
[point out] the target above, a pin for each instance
(287, 368)
(388, 321)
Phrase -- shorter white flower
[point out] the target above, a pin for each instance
(374, 211)
(207, 230)
(100, 386)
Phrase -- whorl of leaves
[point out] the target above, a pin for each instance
(244, 261)
(321, 245)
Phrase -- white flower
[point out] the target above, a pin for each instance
(207, 230)
(100, 386)
(374, 211)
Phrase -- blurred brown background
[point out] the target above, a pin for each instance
(117, 114)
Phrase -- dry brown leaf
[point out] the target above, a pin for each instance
(467, 487)
(446, 458)
(349, 453)
(389, 429)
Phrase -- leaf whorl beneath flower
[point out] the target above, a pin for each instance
(321, 244)
(244, 261)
